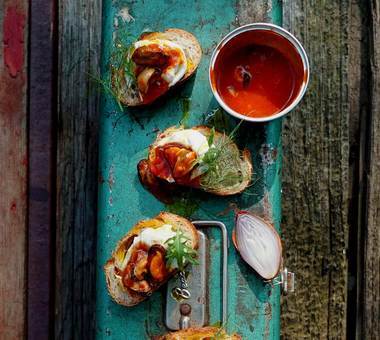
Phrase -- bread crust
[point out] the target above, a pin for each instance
(125, 296)
(191, 48)
(246, 162)
(190, 333)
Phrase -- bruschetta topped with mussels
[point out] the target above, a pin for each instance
(148, 255)
(153, 64)
(199, 157)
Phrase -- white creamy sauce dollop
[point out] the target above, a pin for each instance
(150, 236)
(189, 138)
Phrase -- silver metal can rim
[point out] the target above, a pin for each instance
(284, 33)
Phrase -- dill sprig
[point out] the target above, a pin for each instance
(121, 77)
(106, 86)
(221, 165)
(179, 253)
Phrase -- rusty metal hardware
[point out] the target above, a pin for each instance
(184, 321)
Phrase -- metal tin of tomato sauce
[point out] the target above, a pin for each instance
(259, 72)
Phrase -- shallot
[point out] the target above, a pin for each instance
(258, 244)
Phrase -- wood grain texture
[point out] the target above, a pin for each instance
(253, 11)
(358, 61)
(316, 176)
(79, 55)
(13, 167)
(41, 170)
(371, 268)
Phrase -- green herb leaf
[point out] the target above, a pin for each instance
(219, 119)
(184, 206)
(179, 253)
(211, 137)
(185, 112)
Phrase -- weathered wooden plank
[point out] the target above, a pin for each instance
(253, 11)
(41, 169)
(371, 267)
(13, 167)
(358, 109)
(316, 176)
(359, 114)
(79, 54)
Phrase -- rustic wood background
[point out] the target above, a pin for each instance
(331, 172)
(13, 167)
(79, 36)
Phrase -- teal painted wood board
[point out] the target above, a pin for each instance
(254, 307)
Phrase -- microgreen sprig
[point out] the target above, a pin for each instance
(179, 252)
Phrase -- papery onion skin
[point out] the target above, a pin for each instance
(259, 244)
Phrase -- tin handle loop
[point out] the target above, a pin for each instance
(287, 282)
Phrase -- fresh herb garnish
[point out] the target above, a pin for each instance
(121, 80)
(218, 119)
(221, 165)
(179, 253)
(185, 112)
(184, 205)
(106, 86)
(210, 140)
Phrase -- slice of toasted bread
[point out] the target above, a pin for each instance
(199, 334)
(117, 291)
(184, 39)
(243, 164)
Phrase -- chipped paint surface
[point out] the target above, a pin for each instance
(125, 15)
(268, 154)
(124, 139)
(13, 40)
(13, 152)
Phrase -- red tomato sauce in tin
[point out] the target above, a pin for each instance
(258, 73)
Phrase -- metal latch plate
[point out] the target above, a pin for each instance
(197, 286)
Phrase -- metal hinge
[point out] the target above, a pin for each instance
(286, 280)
